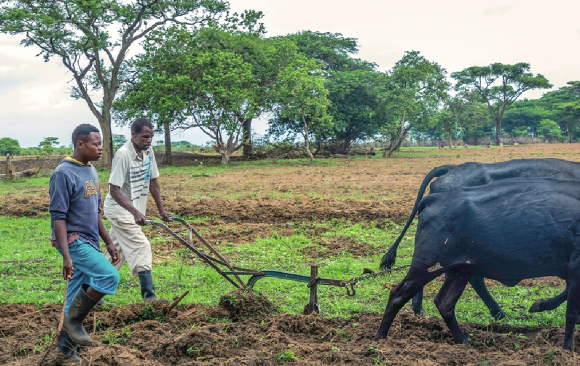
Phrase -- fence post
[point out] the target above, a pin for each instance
(9, 168)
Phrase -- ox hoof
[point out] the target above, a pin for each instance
(498, 315)
(421, 314)
(536, 307)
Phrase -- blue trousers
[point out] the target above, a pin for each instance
(91, 268)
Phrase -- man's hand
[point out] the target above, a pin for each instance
(67, 268)
(165, 216)
(140, 219)
(115, 257)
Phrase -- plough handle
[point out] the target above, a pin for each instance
(215, 252)
(205, 258)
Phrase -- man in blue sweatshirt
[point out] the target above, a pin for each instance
(75, 207)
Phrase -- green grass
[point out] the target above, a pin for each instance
(31, 273)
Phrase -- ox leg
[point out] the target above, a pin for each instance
(478, 284)
(455, 282)
(400, 295)
(417, 303)
(572, 309)
(549, 304)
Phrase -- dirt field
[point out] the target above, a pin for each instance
(247, 203)
(193, 335)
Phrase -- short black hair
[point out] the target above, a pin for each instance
(139, 123)
(82, 132)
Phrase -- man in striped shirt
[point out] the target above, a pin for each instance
(133, 175)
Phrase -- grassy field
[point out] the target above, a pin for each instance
(31, 268)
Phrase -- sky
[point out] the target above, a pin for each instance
(35, 101)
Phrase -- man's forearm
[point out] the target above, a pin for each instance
(121, 200)
(61, 236)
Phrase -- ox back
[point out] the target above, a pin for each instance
(476, 174)
(508, 230)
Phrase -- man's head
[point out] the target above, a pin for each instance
(87, 142)
(142, 133)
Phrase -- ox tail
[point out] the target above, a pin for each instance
(390, 256)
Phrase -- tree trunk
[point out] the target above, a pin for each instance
(569, 134)
(395, 144)
(247, 138)
(107, 157)
(306, 139)
(445, 133)
(318, 147)
(168, 160)
(450, 140)
(498, 128)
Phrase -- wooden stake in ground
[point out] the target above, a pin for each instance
(9, 167)
(176, 302)
(60, 323)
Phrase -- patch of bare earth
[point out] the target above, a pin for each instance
(190, 335)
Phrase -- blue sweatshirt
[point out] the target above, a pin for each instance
(75, 196)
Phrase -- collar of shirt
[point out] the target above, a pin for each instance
(134, 152)
(68, 158)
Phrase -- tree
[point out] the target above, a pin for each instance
(549, 130)
(302, 100)
(524, 116)
(568, 106)
(118, 141)
(499, 86)
(416, 89)
(214, 78)
(354, 88)
(92, 40)
(9, 146)
(47, 145)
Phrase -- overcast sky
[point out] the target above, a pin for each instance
(35, 103)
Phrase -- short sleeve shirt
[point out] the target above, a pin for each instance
(133, 175)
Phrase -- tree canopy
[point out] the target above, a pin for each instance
(92, 40)
(499, 86)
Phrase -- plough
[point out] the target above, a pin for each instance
(232, 273)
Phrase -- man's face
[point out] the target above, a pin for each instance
(143, 138)
(92, 148)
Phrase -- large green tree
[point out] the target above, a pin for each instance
(566, 104)
(92, 40)
(9, 146)
(499, 86)
(47, 145)
(302, 100)
(354, 88)
(215, 79)
(416, 89)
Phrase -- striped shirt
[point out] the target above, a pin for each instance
(132, 174)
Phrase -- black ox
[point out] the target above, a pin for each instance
(507, 231)
(478, 174)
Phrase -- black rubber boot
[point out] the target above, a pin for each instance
(79, 308)
(67, 346)
(147, 287)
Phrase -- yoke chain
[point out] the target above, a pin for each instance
(353, 281)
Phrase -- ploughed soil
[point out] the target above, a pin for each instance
(255, 334)
(356, 189)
